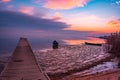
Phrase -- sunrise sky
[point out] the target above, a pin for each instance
(66, 20)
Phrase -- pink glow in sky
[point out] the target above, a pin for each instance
(61, 19)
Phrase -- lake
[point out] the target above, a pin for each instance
(7, 46)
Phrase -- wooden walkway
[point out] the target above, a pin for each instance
(23, 65)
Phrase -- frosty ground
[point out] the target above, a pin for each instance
(70, 57)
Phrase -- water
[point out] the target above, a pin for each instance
(90, 40)
(7, 45)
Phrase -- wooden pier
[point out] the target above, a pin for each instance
(23, 65)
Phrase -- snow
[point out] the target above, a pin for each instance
(69, 57)
(106, 66)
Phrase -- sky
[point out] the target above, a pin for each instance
(68, 21)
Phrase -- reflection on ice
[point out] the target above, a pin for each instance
(90, 39)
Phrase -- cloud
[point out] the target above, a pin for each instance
(5, 1)
(16, 24)
(39, 31)
(26, 9)
(91, 22)
(114, 23)
(118, 2)
(10, 6)
(57, 16)
(85, 22)
(15, 19)
(64, 4)
(39, 1)
(82, 19)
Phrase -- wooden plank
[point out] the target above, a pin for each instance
(23, 64)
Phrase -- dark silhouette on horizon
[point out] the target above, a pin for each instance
(55, 44)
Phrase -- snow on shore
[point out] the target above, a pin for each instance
(106, 66)
(69, 57)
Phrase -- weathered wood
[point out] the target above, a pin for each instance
(23, 65)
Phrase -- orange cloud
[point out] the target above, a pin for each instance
(64, 4)
(100, 29)
(82, 28)
(114, 23)
(91, 23)
(5, 1)
(26, 10)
